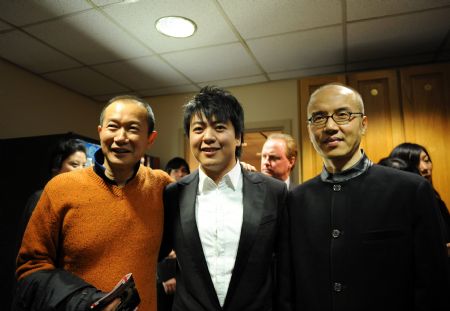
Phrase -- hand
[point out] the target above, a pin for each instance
(248, 167)
(172, 254)
(170, 286)
(113, 305)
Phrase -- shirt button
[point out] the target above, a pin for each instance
(335, 233)
(336, 187)
(337, 287)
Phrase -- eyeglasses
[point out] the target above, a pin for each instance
(340, 117)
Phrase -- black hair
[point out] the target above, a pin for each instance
(216, 103)
(63, 150)
(139, 101)
(176, 163)
(399, 164)
(410, 153)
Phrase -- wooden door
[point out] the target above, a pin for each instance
(426, 100)
(311, 162)
(379, 91)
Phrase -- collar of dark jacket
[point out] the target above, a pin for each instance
(359, 168)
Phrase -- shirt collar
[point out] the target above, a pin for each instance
(359, 168)
(287, 181)
(99, 168)
(231, 179)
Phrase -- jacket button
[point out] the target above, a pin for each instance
(335, 233)
(337, 187)
(337, 287)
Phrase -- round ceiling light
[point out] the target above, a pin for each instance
(176, 26)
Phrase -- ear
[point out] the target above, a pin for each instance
(151, 138)
(364, 123)
(99, 128)
(292, 161)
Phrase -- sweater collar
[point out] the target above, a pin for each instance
(99, 168)
(359, 168)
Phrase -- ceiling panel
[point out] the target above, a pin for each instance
(89, 37)
(214, 63)
(85, 81)
(403, 35)
(267, 17)
(357, 9)
(236, 82)
(317, 71)
(189, 88)
(21, 49)
(140, 17)
(143, 73)
(319, 47)
(22, 12)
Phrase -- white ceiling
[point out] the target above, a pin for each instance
(101, 48)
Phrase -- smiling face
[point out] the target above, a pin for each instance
(213, 144)
(124, 134)
(338, 145)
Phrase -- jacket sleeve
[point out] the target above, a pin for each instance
(284, 289)
(431, 286)
(167, 239)
(54, 289)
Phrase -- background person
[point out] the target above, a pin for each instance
(68, 155)
(358, 236)
(418, 158)
(278, 156)
(93, 226)
(177, 168)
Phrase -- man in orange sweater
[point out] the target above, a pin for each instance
(93, 226)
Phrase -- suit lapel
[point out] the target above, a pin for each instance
(253, 200)
(188, 195)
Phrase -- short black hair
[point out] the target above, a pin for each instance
(176, 163)
(216, 103)
(63, 150)
(139, 101)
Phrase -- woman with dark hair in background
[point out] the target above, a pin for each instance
(68, 155)
(417, 157)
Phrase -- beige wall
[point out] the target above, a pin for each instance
(261, 102)
(31, 106)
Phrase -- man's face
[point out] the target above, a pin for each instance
(178, 173)
(332, 141)
(124, 134)
(213, 144)
(274, 161)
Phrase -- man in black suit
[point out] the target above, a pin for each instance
(222, 221)
(358, 236)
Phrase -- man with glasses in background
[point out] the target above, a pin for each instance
(358, 236)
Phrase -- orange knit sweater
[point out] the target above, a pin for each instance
(98, 231)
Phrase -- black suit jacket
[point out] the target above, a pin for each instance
(252, 283)
(369, 243)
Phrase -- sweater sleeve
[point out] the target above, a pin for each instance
(39, 249)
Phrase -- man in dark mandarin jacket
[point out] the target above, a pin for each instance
(358, 236)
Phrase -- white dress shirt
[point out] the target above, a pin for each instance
(218, 212)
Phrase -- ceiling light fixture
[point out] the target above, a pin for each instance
(176, 26)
